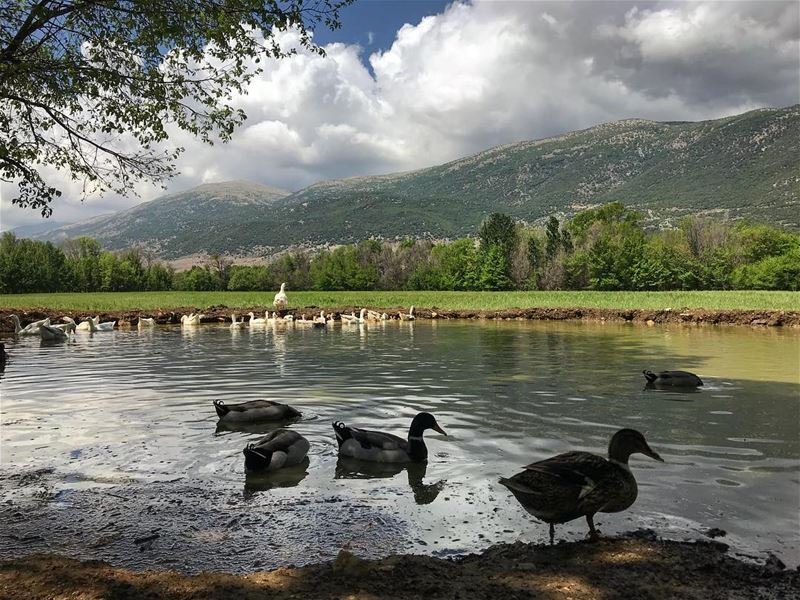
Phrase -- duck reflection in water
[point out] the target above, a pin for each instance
(255, 481)
(424, 493)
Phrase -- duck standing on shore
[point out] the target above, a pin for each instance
(580, 484)
(281, 301)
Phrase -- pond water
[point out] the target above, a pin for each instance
(110, 447)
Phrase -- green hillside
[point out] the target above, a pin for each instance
(739, 167)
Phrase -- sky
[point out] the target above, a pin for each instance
(414, 83)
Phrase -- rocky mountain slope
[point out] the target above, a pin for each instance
(744, 166)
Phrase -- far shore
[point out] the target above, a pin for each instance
(222, 314)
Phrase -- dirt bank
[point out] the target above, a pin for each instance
(611, 568)
(214, 314)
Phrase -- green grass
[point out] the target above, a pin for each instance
(150, 301)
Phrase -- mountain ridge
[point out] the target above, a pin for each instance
(741, 166)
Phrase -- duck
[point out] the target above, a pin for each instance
(352, 319)
(272, 318)
(373, 315)
(321, 320)
(191, 319)
(281, 301)
(279, 448)
(378, 446)
(254, 410)
(409, 316)
(68, 324)
(146, 322)
(54, 334)
(303, 321)
(86, 326)
(106, 326)
(672, 379)
(30, 328)
(237, 324)
(580, 484)
(256, 321)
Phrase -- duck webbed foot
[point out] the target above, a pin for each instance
(594, 535)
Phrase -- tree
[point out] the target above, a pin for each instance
(88, 87)
(553, 237)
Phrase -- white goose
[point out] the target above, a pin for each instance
(303, 321)
(353, 319)
(321, 320)
(69, 324)
(106, 326)
(237, 324)
(191, 319)
(31, 328)
(85, 326)
(145, 322)
(409, 316)
(254, 320)
(281, 301)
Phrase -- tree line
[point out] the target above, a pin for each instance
(604, 248)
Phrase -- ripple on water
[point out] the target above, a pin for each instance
(128, 431)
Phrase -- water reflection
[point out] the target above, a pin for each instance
(282, 478)
(424, 493)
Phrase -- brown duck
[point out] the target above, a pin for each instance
(580, 484)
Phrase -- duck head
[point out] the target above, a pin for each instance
(422, 422)
(629, 441)
(650, 376)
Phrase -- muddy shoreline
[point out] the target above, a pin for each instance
(220, 314)
(640, 566)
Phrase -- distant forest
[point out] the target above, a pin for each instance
(604, 248)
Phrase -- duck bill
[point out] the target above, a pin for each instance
(439, 429)
(652, 454)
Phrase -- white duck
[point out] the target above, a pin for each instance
(321, 320)
(54, 334)
(373, 315)
(31, 328)
(106, 326)
(281, 301)
(145, 322)
(409, 316)
(353, 319)
(191, 319)
(69, 324)
(272, 319)
(254, 320)
(86, 326)
(237, 324)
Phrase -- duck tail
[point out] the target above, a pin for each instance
(256, 459)
(650, 376)
(221, 409)
(342, 432)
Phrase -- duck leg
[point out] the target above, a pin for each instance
(593, 534)
(552, 533)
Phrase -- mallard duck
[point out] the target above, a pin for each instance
(54, 334)
(237, 324)
(281, 301)
(279, 448)
(409, 316)
(30, 328)
(580, 484)
(254, 410)
(146, 322)
(386, 447)
(672, 379)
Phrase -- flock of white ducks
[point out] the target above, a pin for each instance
(60, 331)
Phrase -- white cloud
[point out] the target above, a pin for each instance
(483, 74)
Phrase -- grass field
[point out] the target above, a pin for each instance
(131, 301)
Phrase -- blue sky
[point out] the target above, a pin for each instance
(472, 76)
(373, 24)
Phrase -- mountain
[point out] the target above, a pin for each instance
(203, 218)
(744, 166)
(30, 231)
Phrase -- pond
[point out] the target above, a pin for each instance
(110, 447)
